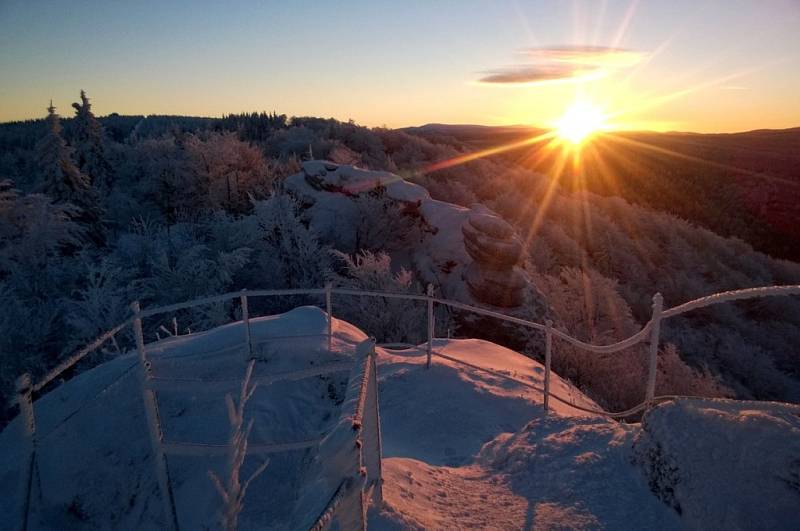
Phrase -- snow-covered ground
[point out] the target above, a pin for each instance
(463, 448)
(94, 459)
(467, 449)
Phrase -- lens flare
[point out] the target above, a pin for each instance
(580, 121)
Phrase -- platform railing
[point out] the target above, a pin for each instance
(650, 332)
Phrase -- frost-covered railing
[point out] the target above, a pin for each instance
(353, 447)
(364, 431)
(650, 332)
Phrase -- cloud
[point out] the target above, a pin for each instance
(558, 64)
(537, 74)
(586, 55)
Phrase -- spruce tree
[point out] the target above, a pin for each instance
(89, 142)
(63, 182)
(60, 178)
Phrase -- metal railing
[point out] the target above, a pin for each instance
(649, 332)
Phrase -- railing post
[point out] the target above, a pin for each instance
(154, 424)
(548, 354)
(329, 310)
(25, 401)
(430, 324)
(138, 333)
(246, 322)
(655, 331)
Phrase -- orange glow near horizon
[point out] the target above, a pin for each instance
(588, 133)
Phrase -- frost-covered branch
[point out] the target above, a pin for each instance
(234, 490)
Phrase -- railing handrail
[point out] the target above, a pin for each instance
(716, 298)
(651, 330)
(732, 295)
(68, 363)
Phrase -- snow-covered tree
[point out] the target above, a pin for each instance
(35, 280)
(289, 253)
(88, 140)
(394, 320)
(100, 303)
(383, 224)
(63, 181)
(233, 170)
(33, 230)
(589, 306)
(178, 265)
(233, 489)
(60, 178)
(161, 175)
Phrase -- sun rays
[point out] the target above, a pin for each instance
(585, 137)
(591, 137)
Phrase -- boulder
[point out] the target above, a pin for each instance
(495, 249)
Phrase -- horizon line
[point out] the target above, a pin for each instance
(427, 124)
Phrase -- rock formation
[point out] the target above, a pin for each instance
(495, 249)
(470, 255)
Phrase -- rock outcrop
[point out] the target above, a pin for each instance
(469, 254)
(351, 181)
(495, 249)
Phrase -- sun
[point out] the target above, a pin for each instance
(580, 121)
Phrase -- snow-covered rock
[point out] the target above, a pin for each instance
(495, 249)
(468, 254)
(725, 464)
(329, 191)
(576, 473)
(351, 180)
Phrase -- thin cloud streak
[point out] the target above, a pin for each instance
(560, 64)
(536, 74)
(587, 55)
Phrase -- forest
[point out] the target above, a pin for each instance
(96, 212)
(744, 185)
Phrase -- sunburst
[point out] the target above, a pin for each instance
(580, 122)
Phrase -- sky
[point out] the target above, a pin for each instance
(699, 65)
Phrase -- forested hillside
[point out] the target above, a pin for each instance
(745, 185)
(98, 212)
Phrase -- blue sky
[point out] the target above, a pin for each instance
(698, 65)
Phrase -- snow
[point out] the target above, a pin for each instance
(353, 180)
(577, 472)
(467, 449)
(462, 447)
(94, 454)
(733, 463)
